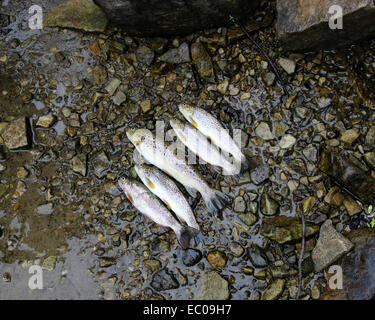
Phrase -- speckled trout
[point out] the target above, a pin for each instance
(211, 127)
(155, 152)
(167, 191)
(199, 144)
(149, 205)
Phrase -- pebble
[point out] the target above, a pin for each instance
(152, 264)
(80, 164)
(263, 131)
(49, 263)
(284, 229)
(288, 65)
(100, 164)
(191, 257)
(45, 209)
(145, 55)
(248, 218)
(311, 153)
(257, 256)
(334, 197)
(212, 286)
(330, 247)
(275, 290)
(349, 136)
(260, 174)
(239, 204)
(217, 259)
(269, 206)
(177, 56)
(236, 249)
(164, 280)
(46, 121)
(287, 141)
(269, 78)
(15, 134)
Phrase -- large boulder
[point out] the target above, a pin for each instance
(303, 25)
(173, 17)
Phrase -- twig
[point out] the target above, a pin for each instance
(301, 254)
(261, 50)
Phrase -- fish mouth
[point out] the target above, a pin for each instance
(174, 122)
(185, 109)
(130, 133)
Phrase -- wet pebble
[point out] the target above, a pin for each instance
(212, 286)
(275, 290)
(260, 174)
(239, 204)
(269, 206)
(217, 259)
(191, 257)
(164, 280)
(45, 209)
(100, 164)
(263, 131)
(80, 164)
(145, 55)
(236, 249)
(46, 121)
(257, 256)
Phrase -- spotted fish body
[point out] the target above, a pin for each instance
(149, 205)
(167, 191)
(198, 143)
(211, 127)
(155, 152)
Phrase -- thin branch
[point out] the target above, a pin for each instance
(261, 51)
(302, 253)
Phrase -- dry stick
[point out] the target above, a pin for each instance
(301, 254)
(260, 49)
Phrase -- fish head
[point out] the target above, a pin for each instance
(187, 110)
(125, 184)
(136, 136)
(142, 170)
(177, 124)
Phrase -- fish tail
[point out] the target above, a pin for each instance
(184, 235)
(216, 202)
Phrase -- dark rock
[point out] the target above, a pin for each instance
(303, 25)
(202, 61)
(212, 286)
(257, 256)
(100, 164)
(260, 174)
(163, 280)
(4, 20)
(145, 55)
(106, 262)
(15, 134)
(173, 17)
(2, 153)
(191, 257)
(177, 55)
(330, 247)
(358, 268)
(348, 175)
(286, 229)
